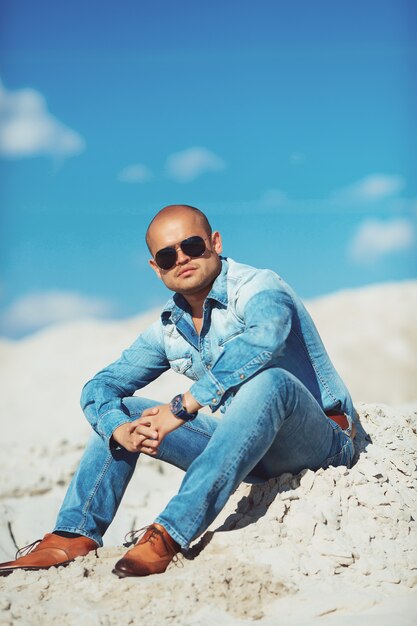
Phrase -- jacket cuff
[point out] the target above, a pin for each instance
(208, 392)
(107, 424)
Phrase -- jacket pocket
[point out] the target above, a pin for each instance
(181, 364)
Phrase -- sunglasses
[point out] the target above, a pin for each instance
(193, 246)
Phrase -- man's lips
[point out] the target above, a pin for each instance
(186, 269)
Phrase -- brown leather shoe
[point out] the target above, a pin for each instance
(151, 555)
(51, 551)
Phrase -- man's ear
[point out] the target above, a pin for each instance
(155, 267)
(216, 242)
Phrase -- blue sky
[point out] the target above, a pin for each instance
(291, 124)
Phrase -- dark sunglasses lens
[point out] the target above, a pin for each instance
(166, 258)
(193, 246)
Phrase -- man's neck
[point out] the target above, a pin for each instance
(196, 300)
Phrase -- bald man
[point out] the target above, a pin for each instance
(246, 342)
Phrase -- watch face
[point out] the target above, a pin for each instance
(176, 404)
(177, 408)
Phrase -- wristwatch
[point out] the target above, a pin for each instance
(177, 408)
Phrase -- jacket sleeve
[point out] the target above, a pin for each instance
(266, 310)
(140, 364)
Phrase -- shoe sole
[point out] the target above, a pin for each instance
(119, 574)
(6, 572)
(122, 574)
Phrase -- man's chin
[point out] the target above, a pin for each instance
(192, 287)
(189, 290)
(193, 283)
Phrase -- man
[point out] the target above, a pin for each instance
(250, 348)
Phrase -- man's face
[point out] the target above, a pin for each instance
(189, 275)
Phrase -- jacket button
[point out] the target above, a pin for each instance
(242, 376)
(214, 400)
(208, 366)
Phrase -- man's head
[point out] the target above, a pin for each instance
(172, 225)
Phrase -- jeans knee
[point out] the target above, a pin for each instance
(280, 386)
(276, 378)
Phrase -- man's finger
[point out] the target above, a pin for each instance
(143, 444)
(130, 447)
(146, 431)
(149, 443)
(152, 411)
(147, 450)
(140, 422)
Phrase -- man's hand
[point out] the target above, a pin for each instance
(146, 433)
(125, 436)
(158, 419)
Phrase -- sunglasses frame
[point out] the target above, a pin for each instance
(179, 246)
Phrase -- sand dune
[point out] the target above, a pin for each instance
(371, 335)
(336, 546)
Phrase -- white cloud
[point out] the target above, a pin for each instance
(372, 187)
(189, 164)
(135, 173)
(375, 238)
(39, 309)
(27, 128)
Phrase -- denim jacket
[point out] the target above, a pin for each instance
(252, 320)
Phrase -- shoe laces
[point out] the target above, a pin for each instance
(132, 538)
(27, 549)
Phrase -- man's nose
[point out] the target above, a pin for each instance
(181, 257)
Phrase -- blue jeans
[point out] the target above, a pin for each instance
(273, 425)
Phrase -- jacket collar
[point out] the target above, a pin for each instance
(177, 305)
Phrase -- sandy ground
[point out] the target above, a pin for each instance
(331, 547)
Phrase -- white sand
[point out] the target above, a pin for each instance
(331, 547)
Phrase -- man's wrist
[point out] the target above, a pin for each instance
(190, 403)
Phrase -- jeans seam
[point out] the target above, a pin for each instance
(196, 430)
(95, 489)
(160, 453)
(221, 479)
(217, 485)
